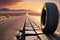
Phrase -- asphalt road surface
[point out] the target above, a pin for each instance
(9, 28)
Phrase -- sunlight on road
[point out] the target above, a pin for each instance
(37, 19)
(39, 11)
(15, 38)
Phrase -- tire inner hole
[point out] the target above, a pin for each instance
(43, 17)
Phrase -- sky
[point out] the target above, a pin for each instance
(26, 4)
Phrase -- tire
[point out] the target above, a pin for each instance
(49, 18)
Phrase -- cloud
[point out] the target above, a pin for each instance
(8, 2)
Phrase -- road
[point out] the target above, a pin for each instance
(9, 28)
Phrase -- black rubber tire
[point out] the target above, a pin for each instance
(49, 18)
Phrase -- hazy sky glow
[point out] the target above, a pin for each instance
(26, 4)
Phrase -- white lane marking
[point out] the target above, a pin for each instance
(57, 32)
(15, 38)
